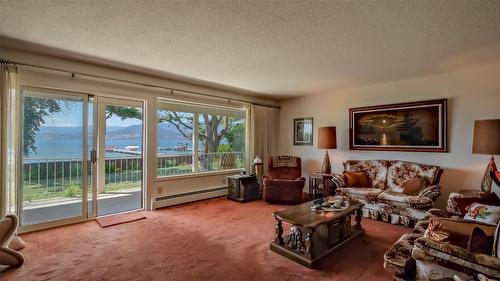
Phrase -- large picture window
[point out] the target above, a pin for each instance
(195, 138)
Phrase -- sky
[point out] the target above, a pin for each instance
(71, 116)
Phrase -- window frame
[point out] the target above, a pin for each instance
(242, 108)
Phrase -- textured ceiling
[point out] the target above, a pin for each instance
(280, 48)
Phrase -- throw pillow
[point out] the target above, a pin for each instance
(464, 202)
(483, 213)
(413, 186)
(357, 179)
(480, 243)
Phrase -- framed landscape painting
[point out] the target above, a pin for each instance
(413, 126)
(303, 131)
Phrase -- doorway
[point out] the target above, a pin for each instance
(78, 148)
(118, 156)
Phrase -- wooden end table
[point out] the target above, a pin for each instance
(315, 234)
(243, 188)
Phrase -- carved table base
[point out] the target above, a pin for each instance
(307, 246)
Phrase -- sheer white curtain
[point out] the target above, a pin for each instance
(11, 144)
(263, 133)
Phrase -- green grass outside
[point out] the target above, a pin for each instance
(36, 192)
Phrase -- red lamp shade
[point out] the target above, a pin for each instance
(486, 138)
(327, 137)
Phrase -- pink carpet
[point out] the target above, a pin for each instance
(119, 219)
(209, 240)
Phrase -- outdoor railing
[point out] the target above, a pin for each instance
(62, 177)
(169, 165)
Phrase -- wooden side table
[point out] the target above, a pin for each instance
(321, 185)
(243, 188)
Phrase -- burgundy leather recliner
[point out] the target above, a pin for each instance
(284, 183)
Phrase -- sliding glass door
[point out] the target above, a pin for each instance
(54, 166)
(119, 156)
(76, 149)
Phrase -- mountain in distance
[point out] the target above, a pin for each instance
(165, 131)
(69, 131)
(168, 131)
(135, 131)
(53, 132)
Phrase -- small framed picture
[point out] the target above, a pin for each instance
(303, 131)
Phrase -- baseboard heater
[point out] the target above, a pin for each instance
(170, 200)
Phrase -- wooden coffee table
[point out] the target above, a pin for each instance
(315, 234)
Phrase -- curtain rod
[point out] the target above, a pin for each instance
(74, 73)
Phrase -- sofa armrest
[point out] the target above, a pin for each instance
(431, 191)
(451, 203)
(420, 202)
(438, 213)
(446, 254)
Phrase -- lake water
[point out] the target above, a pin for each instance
(71, 146)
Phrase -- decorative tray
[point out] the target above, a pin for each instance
(328, 208)
(331, 209)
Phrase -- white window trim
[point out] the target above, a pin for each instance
(198, 174)
(195, 167)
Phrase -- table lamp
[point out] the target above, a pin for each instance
(327, 139)
(257, 167)
(486, 140)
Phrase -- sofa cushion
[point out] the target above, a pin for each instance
(400, 172)
(449, 231)
(402, 199)
(392, 196)
(445, 253)
(357, 179)
(375, 169)
(360, 193)
(414, 185)
(449, 225)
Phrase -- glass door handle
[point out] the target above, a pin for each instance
(93, 156)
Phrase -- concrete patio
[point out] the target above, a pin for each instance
(107, 203)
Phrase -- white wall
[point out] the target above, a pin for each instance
(472, 94)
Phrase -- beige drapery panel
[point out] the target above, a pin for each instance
(10, 156)
(263, 132)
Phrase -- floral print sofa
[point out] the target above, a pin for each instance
(385, 198)
(414, 257)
